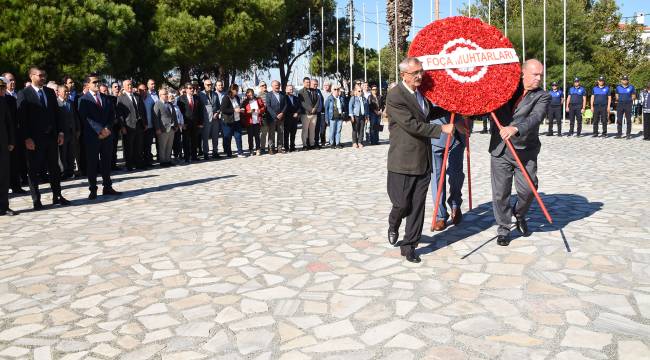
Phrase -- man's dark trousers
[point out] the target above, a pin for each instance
(408, 195)
(502, 169)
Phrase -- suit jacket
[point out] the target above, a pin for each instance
(275, 107)
(149, 102)
(12, 113)
(164, 117)
(293, 106)
(93, 117)
(6, 127)
(37, 122)
(410, 148)
(227, 110)
(210, 104)
(192, 116)
(307, 101)
(128, 114)
(70, 118)
(526, 117)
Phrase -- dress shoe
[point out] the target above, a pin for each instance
(8, 212)
(456, 216)
(92, 195)
(411, 256)
(604, 136)
(206, 157)
(61, 201)
(502, 240)
(271, 152)
(38, 205)
(594, 135)
(439, 225)
(522, 225)
(618, 136)
(628, 137)
(393, 235)
(110, 191)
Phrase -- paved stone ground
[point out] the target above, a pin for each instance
(285, 257)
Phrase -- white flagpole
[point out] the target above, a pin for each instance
(505, 18)
(564, 58)
(523, 33)
(544, 41)
(310, 53)
(337, 41)
(490, 12)
(351, 43)
(365, 64)
(322, 44)
(378, 49)
(396, 61)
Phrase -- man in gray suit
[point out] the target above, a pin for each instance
(308, 101)
(276, 106)
(409, 155)
(166, 124)
(520, 117)
(211, 126)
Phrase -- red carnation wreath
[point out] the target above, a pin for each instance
(471, 68)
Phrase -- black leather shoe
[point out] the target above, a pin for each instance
(110, 191)
(8, 212)
(413, 257)
(392, 236)
(61, 201)
(503, 240)
(38, 205)
(522, 225)
(92, 195)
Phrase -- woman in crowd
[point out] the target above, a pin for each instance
(375, 115)
(253, 115)
(358, 111)
(230, 114)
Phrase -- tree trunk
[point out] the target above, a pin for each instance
(404, 19)
(185, 75)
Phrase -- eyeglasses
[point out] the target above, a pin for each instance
(208, 84)
(95, 82)
(415, 73)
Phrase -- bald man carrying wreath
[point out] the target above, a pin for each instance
(409, 155)
(520, 118)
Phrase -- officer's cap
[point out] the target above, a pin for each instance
(624, 77)
(3, 81)
(576, 79)
(554, 83)
(601, 78)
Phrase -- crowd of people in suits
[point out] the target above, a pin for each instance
(50, 131)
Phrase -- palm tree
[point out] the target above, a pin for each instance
(404, 19)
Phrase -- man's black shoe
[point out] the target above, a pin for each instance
(8, 212)
(413, 257)
(61, 201)
(618, 136)
(522, 225)
(92, 195)
(38, 205)
(110, 191)
(628, 137)
(392, 236)
(503, 240)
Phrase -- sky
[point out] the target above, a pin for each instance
(422, 17)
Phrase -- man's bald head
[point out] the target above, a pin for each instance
(532, 71)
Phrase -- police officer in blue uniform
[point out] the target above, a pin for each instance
(575, 105)
(601, 101)
(625, 95)
(554, 111)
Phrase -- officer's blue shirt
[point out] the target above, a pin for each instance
(600, 95)
(577, 93)
(625, 93)
(556, 97)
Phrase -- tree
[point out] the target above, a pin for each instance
(404, 20)
(73, 37)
